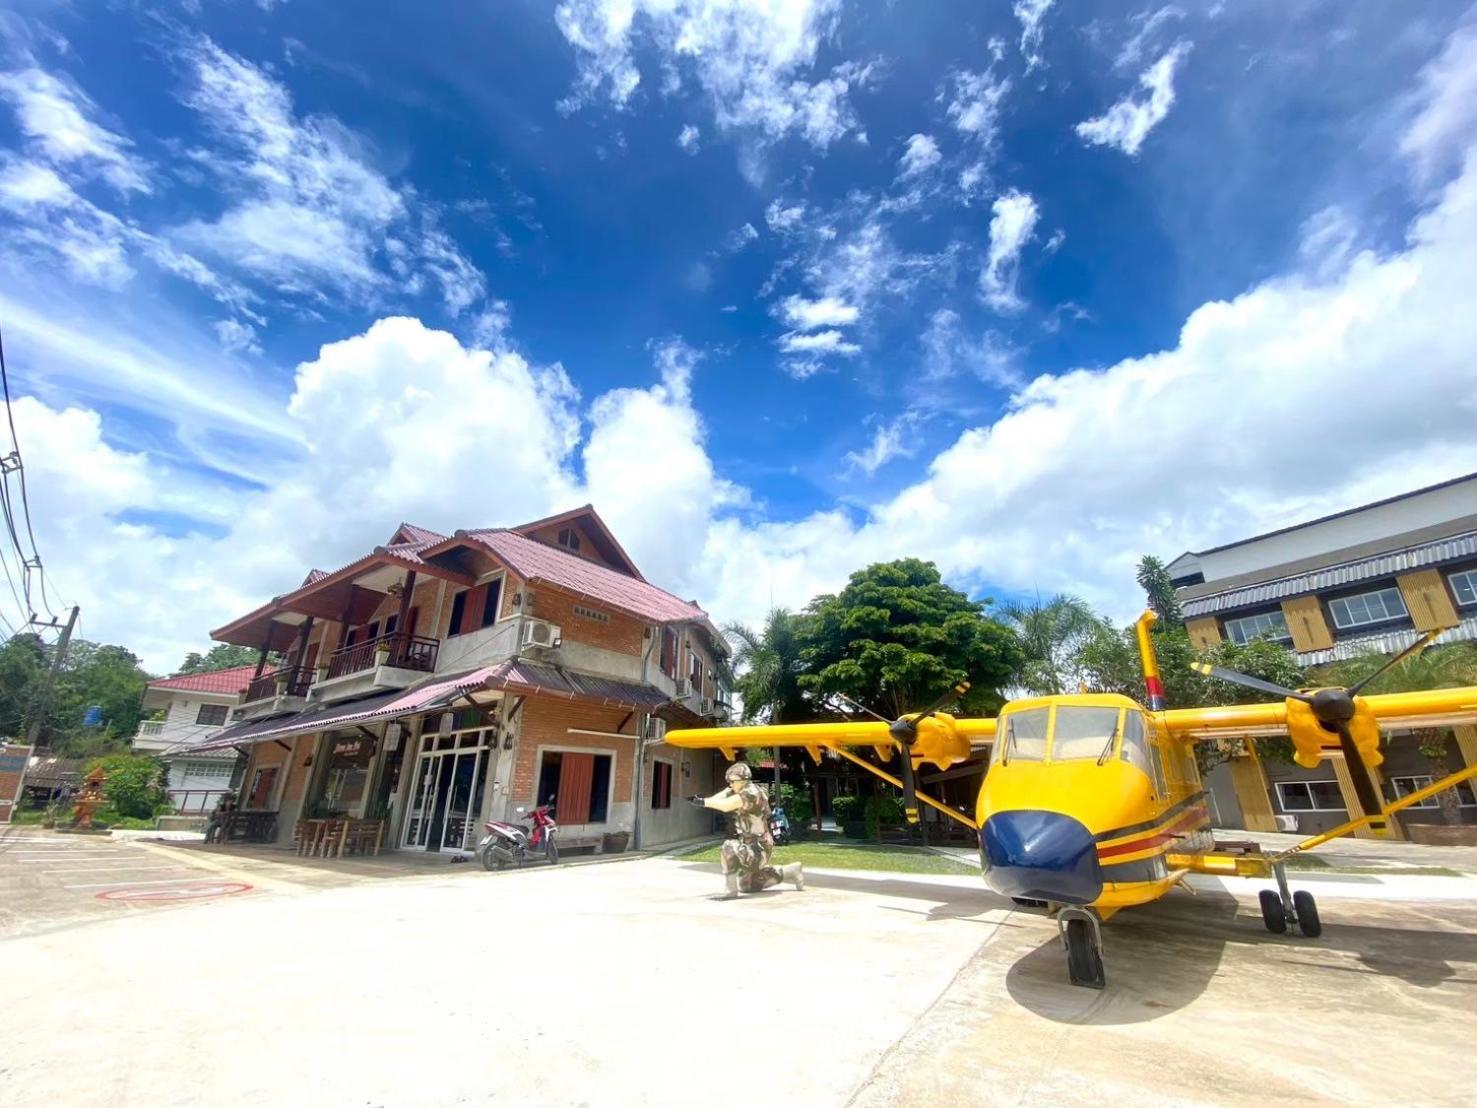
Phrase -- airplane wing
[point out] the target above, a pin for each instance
(1392, 711)
(817, 736)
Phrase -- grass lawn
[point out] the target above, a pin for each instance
(864, 856)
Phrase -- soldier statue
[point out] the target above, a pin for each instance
(746, 856)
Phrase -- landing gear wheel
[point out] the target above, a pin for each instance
(1084, 959)
(552, 852)
(1273, 914)
(1307, 913)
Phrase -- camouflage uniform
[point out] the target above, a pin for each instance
(746, 856)
(749, 851)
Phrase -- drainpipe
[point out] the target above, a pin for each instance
(641, 734)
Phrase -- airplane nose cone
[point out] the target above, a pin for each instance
(1040, 856)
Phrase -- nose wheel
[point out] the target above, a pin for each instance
(1282, 908)
(1082, 936)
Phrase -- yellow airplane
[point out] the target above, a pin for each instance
(1093, 803)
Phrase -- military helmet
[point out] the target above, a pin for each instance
(740, 771)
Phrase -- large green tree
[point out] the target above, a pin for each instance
(105, 676)
(767, 669)
(1441, 667)
(1053, 635)
(897, 637)
(220, 656)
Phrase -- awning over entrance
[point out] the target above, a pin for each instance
(514, 675)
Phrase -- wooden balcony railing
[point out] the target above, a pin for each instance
(298, 679)
(404, 652)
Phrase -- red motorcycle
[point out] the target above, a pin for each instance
(515, 843)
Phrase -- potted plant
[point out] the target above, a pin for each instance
(615, 842)
(382, 652)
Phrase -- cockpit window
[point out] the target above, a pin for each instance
(1025, 736)
(1083, 732)
(1136, 750)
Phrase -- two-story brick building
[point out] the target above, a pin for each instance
(442, 680)
(1367, 580)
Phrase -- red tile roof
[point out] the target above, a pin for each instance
(540, 562)
(231, 680)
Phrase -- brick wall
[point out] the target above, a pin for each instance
(620, 633)
(546, 722)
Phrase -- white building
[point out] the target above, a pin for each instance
(196, 706)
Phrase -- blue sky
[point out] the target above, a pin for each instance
(1028, 289)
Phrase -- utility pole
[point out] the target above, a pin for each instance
(43, 702)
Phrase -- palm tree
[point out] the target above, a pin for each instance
(1053, 635)
(1442, 667)
(767, 668)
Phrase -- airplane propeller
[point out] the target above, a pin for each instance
(1333, 708)
(904, 730)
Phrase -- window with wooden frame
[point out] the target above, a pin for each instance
(695, 670)
(569, 538)
(669, 652)
(661, 784)
(475, 608)
(211, 715)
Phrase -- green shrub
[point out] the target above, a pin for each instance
(133, 786)
(845, 809)
(797, 805)
(881, 811)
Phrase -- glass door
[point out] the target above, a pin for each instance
(446, 800)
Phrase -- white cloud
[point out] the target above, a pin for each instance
(741, 237)
(751, 58)
(802, 369)
(949, 352)
(309, 211)
(689, 139)
(1032, 13)
(56, 117)
(921, 155)
(1446, 120)
(1128, 122)
(817, 342)
(1011, 227)
(890, 440)
(237, 337)
(784, 219)
(807, 315)
(974, 103)
(1148, 25)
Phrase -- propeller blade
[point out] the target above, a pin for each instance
(910, 789)
(1414, 648)
(1369, 797)
(1250, 682)
(861, 707)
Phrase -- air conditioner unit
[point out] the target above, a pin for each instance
(684, 688)
(705, 707)
(1287, 823)
(537, 632)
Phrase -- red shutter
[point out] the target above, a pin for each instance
(472, 610)
(576, 775)
(669, 653)
(662, 792)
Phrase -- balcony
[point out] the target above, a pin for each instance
(294, 679)
(151, 728)
(391, 661)
(284, 689)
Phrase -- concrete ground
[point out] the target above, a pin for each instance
(626, 984)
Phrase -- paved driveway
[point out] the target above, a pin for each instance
(626, 984)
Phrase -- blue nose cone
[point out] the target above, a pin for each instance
(1040, 856)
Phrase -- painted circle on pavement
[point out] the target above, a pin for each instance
(196, 891)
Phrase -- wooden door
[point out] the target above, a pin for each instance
(576, 774)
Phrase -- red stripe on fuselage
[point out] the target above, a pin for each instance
(1155, 838)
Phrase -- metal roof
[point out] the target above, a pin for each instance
(1451, 548)
(1385, 642)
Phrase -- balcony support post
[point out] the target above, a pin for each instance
(400, 629)
(261, 658)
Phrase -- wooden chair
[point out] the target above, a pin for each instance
(331, 840)
(364, 836)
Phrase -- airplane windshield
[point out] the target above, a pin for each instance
(1083, 732)
(1025, 736)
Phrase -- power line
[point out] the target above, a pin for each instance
(14, 464)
